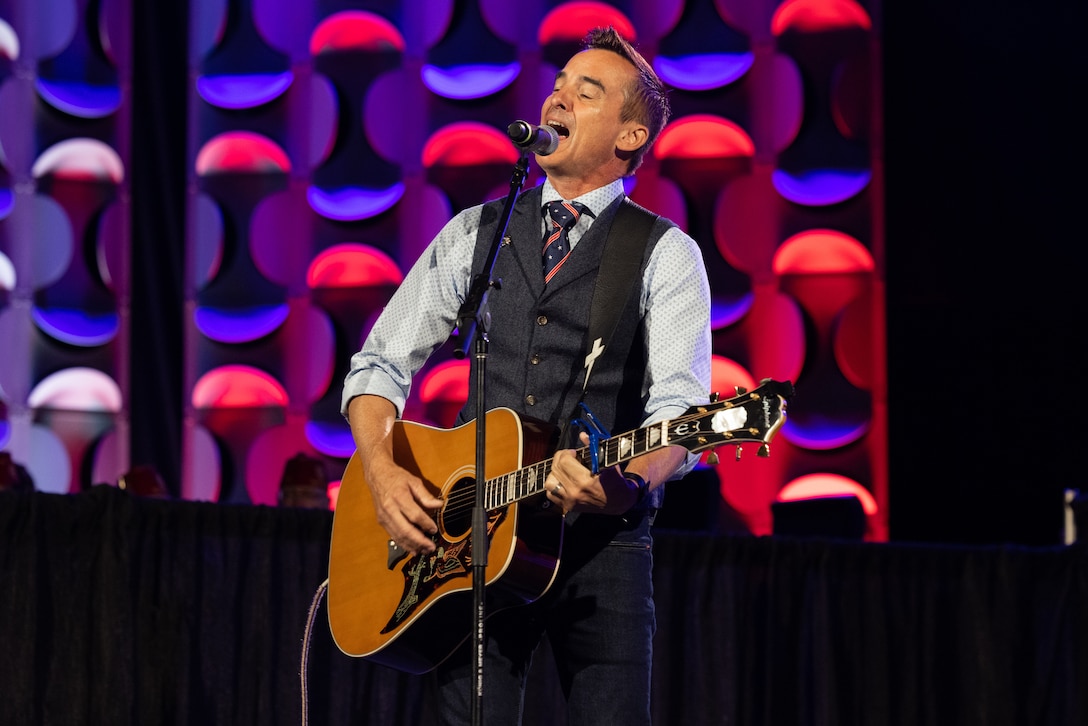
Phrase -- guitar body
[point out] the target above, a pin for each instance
(410, 613)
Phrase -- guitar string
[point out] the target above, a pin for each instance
(458, 501)
(466, 497)
(540, 470)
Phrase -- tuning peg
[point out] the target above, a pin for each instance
(738, 452)
(741, 390)
(714, 397)
(712, 457)
(764, 451)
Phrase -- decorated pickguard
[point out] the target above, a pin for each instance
(425, 574)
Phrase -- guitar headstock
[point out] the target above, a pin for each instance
(748, 417)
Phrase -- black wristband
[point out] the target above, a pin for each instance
(642, 484)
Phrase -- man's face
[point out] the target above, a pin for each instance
(584, 107)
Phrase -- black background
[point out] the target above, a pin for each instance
(985, 267)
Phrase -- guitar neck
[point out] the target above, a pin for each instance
(749, 417)
(525, 482)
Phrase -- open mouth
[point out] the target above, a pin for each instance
(560, 129)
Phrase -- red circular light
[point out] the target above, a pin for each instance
(571, 21)
(703, 136)
(468, 143)
(355, 30)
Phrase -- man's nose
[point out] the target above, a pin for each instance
(557, 100)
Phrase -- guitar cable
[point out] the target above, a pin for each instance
(307, 639)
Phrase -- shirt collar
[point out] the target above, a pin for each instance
(596, 201)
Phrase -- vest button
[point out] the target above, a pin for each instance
(535, 359)
(542, 320)
(530, 399)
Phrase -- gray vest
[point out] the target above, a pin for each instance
(538, 334)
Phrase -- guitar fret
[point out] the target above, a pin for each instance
(531, 476)
(625, 446)
(653, 436)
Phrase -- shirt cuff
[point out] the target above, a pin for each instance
(371, 382)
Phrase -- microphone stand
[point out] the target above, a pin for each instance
(473, 321)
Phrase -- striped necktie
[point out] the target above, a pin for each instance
(563, 215)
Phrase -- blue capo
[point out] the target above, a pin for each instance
(596, 433)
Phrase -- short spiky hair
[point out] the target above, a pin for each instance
(646, 100)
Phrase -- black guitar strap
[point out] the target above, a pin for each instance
(617, 280)
(618, 277)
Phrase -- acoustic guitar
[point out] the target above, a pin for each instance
(410, 613)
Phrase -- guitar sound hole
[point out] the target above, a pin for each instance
(457, 514)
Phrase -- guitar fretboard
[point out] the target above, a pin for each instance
(525, 482)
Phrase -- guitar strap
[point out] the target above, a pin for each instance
(617, 279)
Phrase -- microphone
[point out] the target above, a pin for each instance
(541, 140)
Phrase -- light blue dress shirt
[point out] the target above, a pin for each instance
(675, 302)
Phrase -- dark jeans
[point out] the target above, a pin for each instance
(599, 619)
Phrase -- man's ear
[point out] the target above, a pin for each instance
(633, 137)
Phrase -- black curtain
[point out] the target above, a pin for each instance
(126, 611)
(160, 77)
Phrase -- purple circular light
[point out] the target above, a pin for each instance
(703, 72)
(80, 99)
(77, 327)
(725, 312)
(471, 81)
(332, 438)
(240, 325)
(820, 187)
(824, 432)
(351, 204)
(243, 91)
